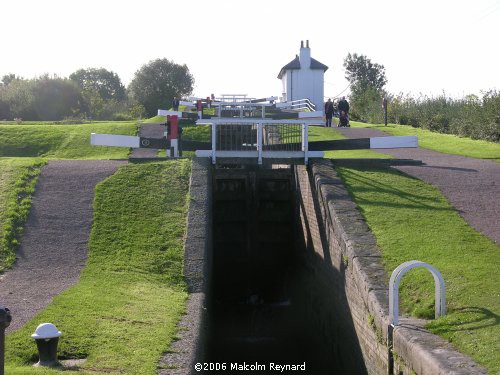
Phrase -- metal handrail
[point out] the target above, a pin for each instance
(298, 105)
(398, 273)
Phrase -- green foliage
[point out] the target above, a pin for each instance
(413, 220)
(365, 106)
(17, 185)
(363, 74)
(156, 83)
(103, 92)
(43, 98)
(105, 83)
(200, 133)
(367, 81)
(471, 116)
(62, 141)
(55, 98)
(18, 96)
(122, 314)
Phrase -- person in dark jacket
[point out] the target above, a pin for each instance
(175, 104)
(329, 113)
(343, 112)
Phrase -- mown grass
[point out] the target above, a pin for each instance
(62, 141)
(445, 143)
(155, 119)
(18, 178)
(412, 220)
(122, 314)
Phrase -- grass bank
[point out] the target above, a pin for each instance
(62, 141)
(445, 143)
(412, 220)
(122, 314)
(18, 177)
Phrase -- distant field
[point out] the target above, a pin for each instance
(62, 141)
(445, 143)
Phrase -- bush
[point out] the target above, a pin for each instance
(121, 117)
(471, 116)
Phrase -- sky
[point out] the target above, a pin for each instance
(238, 47)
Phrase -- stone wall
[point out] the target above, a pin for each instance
(347, 289)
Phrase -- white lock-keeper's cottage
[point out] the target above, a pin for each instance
(303, 78)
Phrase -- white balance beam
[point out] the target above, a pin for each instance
(394, 142)
(164, 112)
(114, 140)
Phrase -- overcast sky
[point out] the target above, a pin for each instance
(239, 47)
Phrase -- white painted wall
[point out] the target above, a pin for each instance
(304, 83)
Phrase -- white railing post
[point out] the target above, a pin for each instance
(259, 142)
(305, 143)
(397, 275)
(214, 141)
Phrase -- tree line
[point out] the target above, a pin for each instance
(94, 93)
(472, 116)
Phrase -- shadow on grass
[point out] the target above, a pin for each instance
(450, 168)
(413, 200)
(465, 319)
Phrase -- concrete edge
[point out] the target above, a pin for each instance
(423, 351)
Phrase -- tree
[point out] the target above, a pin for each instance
(43, 98)
(104, 82)
(363, 74)
(156, 83)
(18, 95)
(367, 81)
(8, 78)
(55, 98)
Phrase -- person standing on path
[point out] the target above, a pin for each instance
(175, 104)
(329, 113)
(343, 112)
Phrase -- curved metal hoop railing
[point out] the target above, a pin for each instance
(397, 275)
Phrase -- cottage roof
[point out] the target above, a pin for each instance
(295, 64)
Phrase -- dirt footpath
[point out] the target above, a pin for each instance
(472, 186)
(53, 247)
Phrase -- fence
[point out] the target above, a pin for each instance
(258, 139)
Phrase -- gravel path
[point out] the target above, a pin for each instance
(472, 186)
(53, 247)
(150, 131)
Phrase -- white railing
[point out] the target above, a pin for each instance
(300, 105)
(259, 139)
(232, 98)
(398, 273)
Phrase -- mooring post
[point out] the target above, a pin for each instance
(5, 319)
(214, 141)
(384, 106)
(259, 142)
(305, 143)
